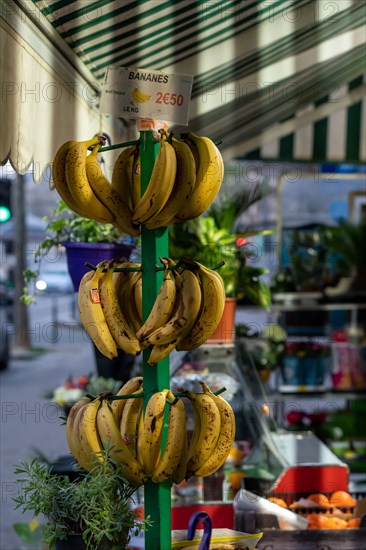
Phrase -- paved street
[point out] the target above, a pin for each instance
(29, 422)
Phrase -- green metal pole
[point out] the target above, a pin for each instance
(154, 244)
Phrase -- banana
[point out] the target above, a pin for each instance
(159, 352)
(59, 176)
(118, 450)
(105, 193)
(122, 175)
(160, 185)
(129, 421)
(140, 96)
(85, 439)
(180, 471)
(186, 309)
(77, 182)
(163, 306)
(137, 294)
(130, 387)
(174, 446)
(124, 282)
(92, 316)
(226, 437)
(210, 173)
(90, 442)
(71, 421)
(213, 302)
(150, 435)
(206, 434)
(128, 297)
(136, 180)
(120, 330)
(184, 183)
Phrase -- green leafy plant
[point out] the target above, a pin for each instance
(98, 505)
(266, 348)
(210, 239)
(66, 226)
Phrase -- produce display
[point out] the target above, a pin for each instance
(186, 178)
(187, 309)
(133, 436)
(323, 512)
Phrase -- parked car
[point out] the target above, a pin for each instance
(53, 277)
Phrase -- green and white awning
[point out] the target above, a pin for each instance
(279, 79)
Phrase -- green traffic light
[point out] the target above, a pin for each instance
(5, 214)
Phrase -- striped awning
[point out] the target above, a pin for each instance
(275, 79)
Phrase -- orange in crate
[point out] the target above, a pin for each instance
(342, 499)
(319, 498)
(278, 501)
(353, 523)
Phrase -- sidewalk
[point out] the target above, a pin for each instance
(29, 422)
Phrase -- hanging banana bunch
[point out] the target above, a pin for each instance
(134, 437)
(186, 311)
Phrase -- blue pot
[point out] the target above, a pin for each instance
(304, 371)
(80, 253)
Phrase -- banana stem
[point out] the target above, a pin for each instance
(127, 396)
(119, 145)
(140, 395)
(93, 267)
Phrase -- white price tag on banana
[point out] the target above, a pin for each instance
(138, 93)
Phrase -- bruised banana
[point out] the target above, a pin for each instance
(210, 173)
(112, 440)
(226, 438)
(151, 432)
(183, 185)
(120, 330)
(124, 282)
(136, 179)
(160, 185)
(131, 386)
(107, 195)
(92, 315)
(85, 436)
(213, 302)
(162, 308)
(206, 430)
(186, 309)
(78, 184)
(122, 175)
(174, 445)
(71, 421)
(180, 471)
(129, 421)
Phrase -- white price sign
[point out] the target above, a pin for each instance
(138, 93)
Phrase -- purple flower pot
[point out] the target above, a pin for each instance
(80, 253)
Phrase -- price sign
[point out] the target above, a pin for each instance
(138, 93)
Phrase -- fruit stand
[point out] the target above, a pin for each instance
(149, 308)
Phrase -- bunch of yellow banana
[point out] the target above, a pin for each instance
(80, 182)
(186, 311)
(105, 307)
(133, 437)
(185, 180)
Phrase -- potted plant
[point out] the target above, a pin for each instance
(93, 512)
(83, 239)
(211, 239)
(346, 248)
